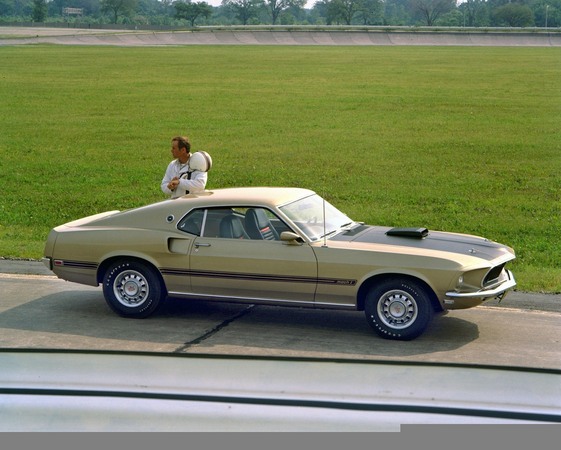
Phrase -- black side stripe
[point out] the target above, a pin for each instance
(258, 277)
(74, 264)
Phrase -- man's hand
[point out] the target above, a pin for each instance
(172, 185)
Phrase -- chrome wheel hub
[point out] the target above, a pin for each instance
(397, 309)
(131, 288)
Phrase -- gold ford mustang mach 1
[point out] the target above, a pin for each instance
(277, 246)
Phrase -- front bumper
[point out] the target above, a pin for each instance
(459, 300)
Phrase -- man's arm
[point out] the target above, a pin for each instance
(168, 176)
(197, 183)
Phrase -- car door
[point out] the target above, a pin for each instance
(225, 262)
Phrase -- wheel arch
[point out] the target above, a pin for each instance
(372, 281)
(104, 266)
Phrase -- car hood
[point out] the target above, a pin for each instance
(430, 240)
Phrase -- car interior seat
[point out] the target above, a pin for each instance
(232, 227)
(258, 225)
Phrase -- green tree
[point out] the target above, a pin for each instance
(345, 10)
(474, 13)
(431, 10)
(39, 10)
(333, 13)
(397, 12)
(513, 15)
(320, 9)
(119, 8)
(7, 8)
(192, 11)
(547, 13)
(370, 12)
(57, 5)
(244, 10)
(276, 7)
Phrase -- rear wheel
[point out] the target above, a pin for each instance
(398, 308)
(133, 289)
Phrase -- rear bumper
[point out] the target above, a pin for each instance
(48, 262)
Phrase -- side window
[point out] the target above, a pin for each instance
(258, 224)
(233, 223)
(213, 222)
(192, 223)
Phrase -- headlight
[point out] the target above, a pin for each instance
(472, 280)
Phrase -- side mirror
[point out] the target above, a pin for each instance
(291, 238)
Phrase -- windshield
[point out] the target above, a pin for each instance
(316, 217)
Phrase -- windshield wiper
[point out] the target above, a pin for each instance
(345, 227)
(328, 234)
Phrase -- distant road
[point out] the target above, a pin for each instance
(277, 36)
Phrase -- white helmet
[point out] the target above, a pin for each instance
(200, 161)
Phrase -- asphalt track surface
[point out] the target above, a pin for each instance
(127, 38)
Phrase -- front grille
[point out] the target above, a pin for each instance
(493, 274)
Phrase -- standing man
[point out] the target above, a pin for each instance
(179, 178)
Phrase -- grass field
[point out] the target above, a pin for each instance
(463, 139)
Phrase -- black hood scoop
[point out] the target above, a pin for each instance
(417, 233)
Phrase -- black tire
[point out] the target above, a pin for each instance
(133, 289)
(398, 308)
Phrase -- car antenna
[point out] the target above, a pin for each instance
(324, 226)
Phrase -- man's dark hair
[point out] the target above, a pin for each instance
(182, 142)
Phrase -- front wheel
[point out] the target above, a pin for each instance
(398, 309)
(133, 289)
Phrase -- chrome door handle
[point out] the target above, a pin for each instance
(202, 244)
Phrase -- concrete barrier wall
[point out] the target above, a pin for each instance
(291, 37)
